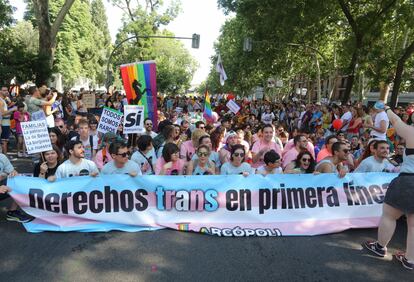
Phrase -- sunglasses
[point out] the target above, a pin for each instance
(148, 124)
(305, 160)
(124, 154)
(201, 127)
(239, 155)
(202, 154)
(346, 151)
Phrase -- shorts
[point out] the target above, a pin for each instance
(400, 193)
(5, 132)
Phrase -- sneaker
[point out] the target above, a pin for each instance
(400, 256)
(373, 247)
(18, 216)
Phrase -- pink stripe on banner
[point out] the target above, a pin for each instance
(299, 228)
(153, 77)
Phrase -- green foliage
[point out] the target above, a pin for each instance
(18, 53)
(6, 12)
(175, 66)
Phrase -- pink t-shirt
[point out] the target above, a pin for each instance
(289, 157)
(260, 145)
(290, 144)
(187, 150)
(178, 166)
(99, 159)
(16, 117)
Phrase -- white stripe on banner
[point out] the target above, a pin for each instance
(275, 205)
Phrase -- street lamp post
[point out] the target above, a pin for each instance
(195, 44)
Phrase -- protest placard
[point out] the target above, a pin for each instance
(234, 108)
(36, 136)
(39, 115)
(89, 100)
(110, 120)
(134, 119)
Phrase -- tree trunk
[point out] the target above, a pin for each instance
(398, 74)
(384, 90)
(318, 79)
(47, 36)
(47, 46)
(351, 76)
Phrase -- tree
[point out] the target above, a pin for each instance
(366, 21)
(6, 12)
(18, 53)
(175, 66)
(48, 31)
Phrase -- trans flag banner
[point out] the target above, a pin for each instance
(140, 85)
(273, 205)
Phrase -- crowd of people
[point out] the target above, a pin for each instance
(262, 138)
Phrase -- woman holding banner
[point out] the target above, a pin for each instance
(398, 199)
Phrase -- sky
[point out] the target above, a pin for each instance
(198, 16)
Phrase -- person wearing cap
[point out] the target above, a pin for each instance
(381, 122)
(230, 140)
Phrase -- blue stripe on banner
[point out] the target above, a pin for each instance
(147, 72)
(102, 227)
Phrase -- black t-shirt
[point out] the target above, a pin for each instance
(49, 172)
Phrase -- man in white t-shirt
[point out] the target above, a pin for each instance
(90, 142)
(76, 165)
(381, 122)
(378, 162)
(120, 163)
(148, 128)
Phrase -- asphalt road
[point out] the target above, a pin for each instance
(168, 255)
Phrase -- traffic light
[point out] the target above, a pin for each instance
(195, 41)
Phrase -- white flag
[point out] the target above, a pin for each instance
(220, 70)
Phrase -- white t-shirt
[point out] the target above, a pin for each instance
(142, 161)
(346, 118)
(69, 169)
(377, 123)
(267, 118)
(262, 170)
(228, 168)
(370, 164)
(130, 166)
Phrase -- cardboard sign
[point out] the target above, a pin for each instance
(89, 100)
(134, 119)
(110, 120)
(36, 136)
(39, 115)
(234, 108)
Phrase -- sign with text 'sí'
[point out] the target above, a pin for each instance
(36, 136)
(234, 108)
(110, 120)
(134, 119)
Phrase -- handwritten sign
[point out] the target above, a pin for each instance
(110, 120)
(36, 136)
(234, 108)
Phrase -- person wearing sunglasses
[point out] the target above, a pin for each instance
(170, 163)
(304, 163)
(148, 128)
(202, 165)
(121, 163)
(340, 152)
(237, 164)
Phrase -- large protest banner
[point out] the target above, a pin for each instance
(36, 136)
(140, 85)
(275, 205)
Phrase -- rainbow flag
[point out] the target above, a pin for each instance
(140, 84)
(208, 112)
